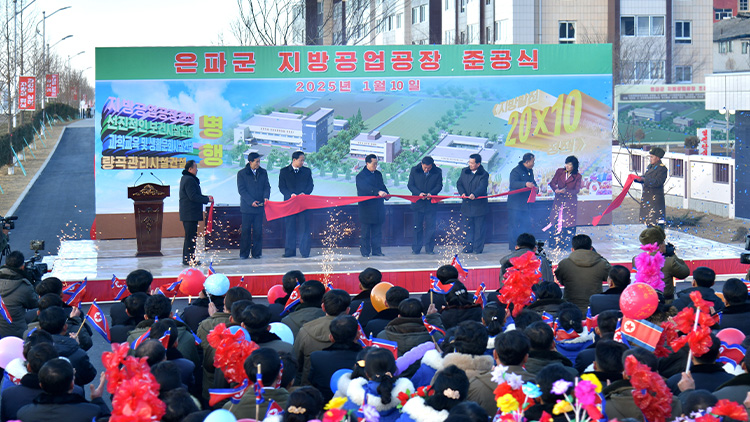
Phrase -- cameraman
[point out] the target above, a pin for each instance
(673, 268)
(18, 295)
(524, 243)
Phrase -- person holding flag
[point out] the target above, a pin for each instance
(53, 320)
(96, 317)
(460, 306)
(438, 287)
(266, 386)
(310, 298)
(409, 330)
(17, 294)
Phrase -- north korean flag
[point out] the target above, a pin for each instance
(5, 312)
(431, 329)
(274, 409)
(117, 284)
(638, 332)
(457, 263)
(97, 319)
(292, 301)
(479, 297)
(590, 322)
(233, 394)
(731, 353)
(385, 344)
(76, 297)
(435, 286)
(358, 312)
(137, 342)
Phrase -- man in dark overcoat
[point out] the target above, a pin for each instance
(425, 180)
(296, 179)
(191, 209)
(519, 218)
(254, 189)
(471, 185)
(653, 208)
(371, 212)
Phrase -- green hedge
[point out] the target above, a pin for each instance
(27, 130)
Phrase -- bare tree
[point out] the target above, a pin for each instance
(297, 22)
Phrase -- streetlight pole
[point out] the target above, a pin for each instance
(727, 112)
(70, 70)
(44, 45)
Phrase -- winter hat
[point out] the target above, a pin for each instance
(653, 234)
(657, 152)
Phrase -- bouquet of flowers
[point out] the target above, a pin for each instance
(231, 352)
(585, 402)
(136, 392)
(334, 411)
(513, 395)
(724, 408)
(649, 264)
(518, 281)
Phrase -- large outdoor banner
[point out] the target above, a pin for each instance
(159, 107)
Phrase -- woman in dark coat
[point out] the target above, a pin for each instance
(566, 184)
(461, 306)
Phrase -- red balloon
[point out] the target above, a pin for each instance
(191, 281)
(275, 292)
(731, 336)
(638, 301)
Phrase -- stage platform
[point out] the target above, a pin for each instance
(99, 260)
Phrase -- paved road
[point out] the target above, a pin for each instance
(61, 203)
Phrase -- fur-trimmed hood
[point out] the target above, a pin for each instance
(356, 393)
(433, 359)
(343, 385)
(491, 343)
(473, 365)
(419, 411)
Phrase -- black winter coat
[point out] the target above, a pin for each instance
(295, 183)
(736, 316)
(66, 407)
(369, 183)
(683, 298)
(18, 396)
(475, 183)
(118, 314)
(453, 315)
(18, 295)
(252, 187)
(606, 301)
(421, 183)
(69, 348)
(191, 198)
(706, 376)
(368, 312)
(518, 178)
(653, 206)
(325, 362)
(378, 323)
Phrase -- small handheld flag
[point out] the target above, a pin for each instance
(76, 297)
(479, 296)
(590, 321)
(638, 332)
(174, 285)
(385, 344)
(358, 312)
(361, 337)
(562, 334)
(164, 339)
(5, 312)
(431, 329)
(116, 285)
(435, 286)
(258, 387)
(274, 409)
(292, 301)
(731, 353)
(233, 394)
(137, 342)
(211, 268)
(455, 262)
(548, 319)
(178, 319)
(96, 317)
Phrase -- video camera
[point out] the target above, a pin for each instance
(745, 256)
(8, 223)
(35, 269)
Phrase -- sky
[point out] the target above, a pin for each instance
(132, 23)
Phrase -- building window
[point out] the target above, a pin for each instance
(743, 6)
(657, 69)
(389, 23)
(745, 47)
(488, 2)
(422, 13)
(447, 4)
(473, 34)
(567, 32)
(725, 47)
(683, 74)
(487, 34)
(676, 167)
(720, 14)
(399, 18)
(657, 26)
(636, 163)
(682, 32)
(498, 29)
(721, 173)
(463, 6)
(462, 37)
(643, 27)
(414, 15)
(627, 26)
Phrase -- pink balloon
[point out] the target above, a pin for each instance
(731, 336)
(10, 348)
(192, 281)
(275, 292)
(638, 301)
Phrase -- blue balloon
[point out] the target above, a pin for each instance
(335, 378)
(220, 415)
(233, 329)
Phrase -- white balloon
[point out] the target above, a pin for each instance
(220, 415)
(216, 284)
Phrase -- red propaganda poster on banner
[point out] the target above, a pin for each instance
(26, 92)
(52, 85)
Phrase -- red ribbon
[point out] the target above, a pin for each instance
(299, 203)
(210, 220)
(617, 201)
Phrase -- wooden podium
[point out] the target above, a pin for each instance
(148, 203)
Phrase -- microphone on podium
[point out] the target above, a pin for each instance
(139, 178)
(160, 181)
